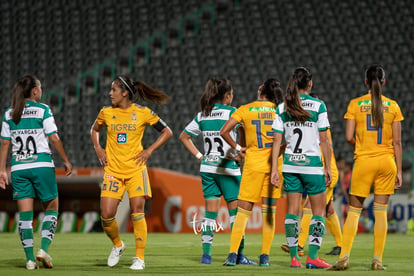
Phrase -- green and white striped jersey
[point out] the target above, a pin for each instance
(216, 150)
(302, 154)
(30, 145)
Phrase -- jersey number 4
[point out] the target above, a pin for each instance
(373, 128)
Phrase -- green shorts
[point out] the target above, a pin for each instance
(216, 185)
(36, 182)
(312, 184)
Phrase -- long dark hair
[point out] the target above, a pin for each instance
(214, 92)
(299, 80)
(138, 90)
(22, 90)
(272, 90)
(375, 77)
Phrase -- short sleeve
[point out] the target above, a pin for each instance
(152, 117)
(193, 128)
(100, 120)
(398, 114)
(350, 113)
(238, 115)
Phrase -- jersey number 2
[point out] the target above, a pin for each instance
(219, 145)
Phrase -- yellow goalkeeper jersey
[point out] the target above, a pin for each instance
(125, 129)
(257, 118)
(369, 140)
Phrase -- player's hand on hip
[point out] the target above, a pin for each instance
(101, 153)
(142, 157)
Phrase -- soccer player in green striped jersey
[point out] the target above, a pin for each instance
(303, 120)
(27, 126)
(219, 170)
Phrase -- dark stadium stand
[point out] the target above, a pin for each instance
(175, 45)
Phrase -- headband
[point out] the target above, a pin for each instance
(126, 84)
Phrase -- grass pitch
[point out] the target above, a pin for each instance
(179, 254)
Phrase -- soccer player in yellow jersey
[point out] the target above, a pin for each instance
(373, 129)
(125, 159)
(257, 118)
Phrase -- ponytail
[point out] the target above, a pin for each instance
(22, 90)
(375, 76)
(141, 91)
(272, 90)
(214, 92)
(210, 92)
(299, 80)
(146, 92)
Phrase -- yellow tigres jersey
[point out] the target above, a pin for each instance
(125, 129)
(257, 118)
(369, 140)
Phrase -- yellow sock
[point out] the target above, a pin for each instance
(110, 226)
(239, 226)
(140, 233)
(268, 228)
(304, 226)
(350, 230)
(380, 229)
(334, 227)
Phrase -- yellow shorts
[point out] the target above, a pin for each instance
(255, 185)
(137, 185)
(379, 171)
(330, 189)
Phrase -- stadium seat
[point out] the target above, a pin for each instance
(4, 222)
(15, 226)
(67, 222)
(37, 228)
(88, 221)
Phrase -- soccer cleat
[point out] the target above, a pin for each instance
(206, 259)
(242, 259)
(316, 263)
(115, 254)
(341, 264)
(377, 265)
(335, 251)
(31, 265)
(295, 263)
(264, 260)
(45, 258)
(231, 260)
(137, 264)
(285, 248)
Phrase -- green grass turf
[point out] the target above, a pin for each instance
(179, 254)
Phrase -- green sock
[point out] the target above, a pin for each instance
(26, 233)
(48, 229)
(292, 234)
(316, 232)
(209, 224)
